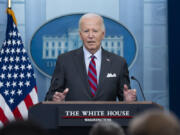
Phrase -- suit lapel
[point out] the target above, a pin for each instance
(81, 68)
(105, 68)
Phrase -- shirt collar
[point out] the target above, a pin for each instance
(88, 55)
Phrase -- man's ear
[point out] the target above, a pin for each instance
(104, 32)
(80, 35)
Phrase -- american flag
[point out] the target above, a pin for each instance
(18, 89)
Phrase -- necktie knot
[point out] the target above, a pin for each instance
(93, 57)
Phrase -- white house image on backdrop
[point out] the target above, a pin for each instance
(54, 45)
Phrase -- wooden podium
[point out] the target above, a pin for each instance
(82, 115)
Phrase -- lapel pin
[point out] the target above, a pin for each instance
(107, 59)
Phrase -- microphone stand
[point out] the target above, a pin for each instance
(142, 93)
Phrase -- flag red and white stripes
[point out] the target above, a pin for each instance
(18, 90)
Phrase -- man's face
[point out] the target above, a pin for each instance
(91, 33)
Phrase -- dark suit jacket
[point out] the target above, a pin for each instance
(70, 72)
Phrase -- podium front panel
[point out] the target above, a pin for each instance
(83, 114)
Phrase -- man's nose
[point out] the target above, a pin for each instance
(91, 34)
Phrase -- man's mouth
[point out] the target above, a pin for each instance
(91, 42)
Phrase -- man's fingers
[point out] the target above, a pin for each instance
(135, 92)
(56, 94)
(60, 96)
(125, 87)
(56, 97)
(65, 91)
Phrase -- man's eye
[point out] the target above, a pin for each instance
(86, 31)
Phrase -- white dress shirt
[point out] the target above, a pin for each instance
(87, 58)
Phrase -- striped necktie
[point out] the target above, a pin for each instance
(92, 76)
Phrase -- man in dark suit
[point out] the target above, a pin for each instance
(90, 73)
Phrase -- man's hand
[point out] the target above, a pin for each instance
(60, 96)
(129, 94)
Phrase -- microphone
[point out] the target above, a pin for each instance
(142, 93)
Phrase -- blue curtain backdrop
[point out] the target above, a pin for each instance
(146, 19)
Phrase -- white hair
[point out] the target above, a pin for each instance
(88, 15)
